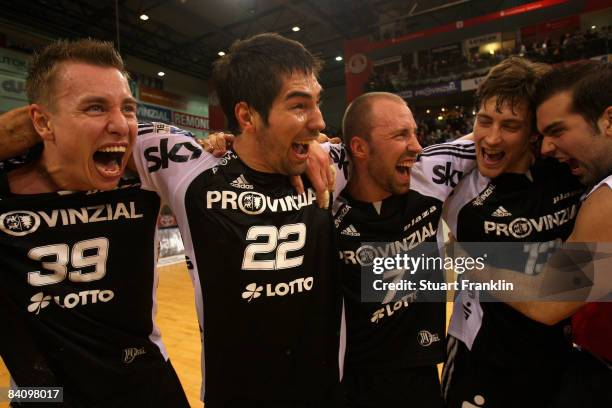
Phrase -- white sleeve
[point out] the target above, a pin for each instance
(340, 160)
(166, 158)
(440, 168)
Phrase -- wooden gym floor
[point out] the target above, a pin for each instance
(176, 318)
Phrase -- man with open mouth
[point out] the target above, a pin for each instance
(574, 115)
(394, 197)
(77, 242)
(261, 255)
(499, 356)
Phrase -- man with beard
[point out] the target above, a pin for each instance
(394, 196)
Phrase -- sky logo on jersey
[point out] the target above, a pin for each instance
(427, 338)
(446, 175)
(179, 153)
(299, 285)
(253, 203)
(339, 156)
(19, 223)
(523, 227)
(71, 300)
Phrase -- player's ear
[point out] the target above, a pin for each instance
(42, 122)
(245, 116)
(606, 120)
(360, 149)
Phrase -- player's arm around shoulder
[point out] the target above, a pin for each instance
(17, 133)
(593, 225)
(165, 156)
(594, 220)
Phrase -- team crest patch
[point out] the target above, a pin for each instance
(19, 223)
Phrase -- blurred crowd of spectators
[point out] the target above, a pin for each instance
(443, 126)
(433, 69)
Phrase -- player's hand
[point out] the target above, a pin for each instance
(323, 138)
(217, 143)
(321, 173)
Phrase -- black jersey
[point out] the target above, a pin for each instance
(538, 206)
(400, 333)
(79, 267)
(264, 269)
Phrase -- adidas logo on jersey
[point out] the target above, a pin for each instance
(242, 183)
(501, 212)
(351, 231)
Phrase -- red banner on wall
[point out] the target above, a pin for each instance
(358, 67)
(562, 24)
(592, 5)
(215, 113)
(512, 11)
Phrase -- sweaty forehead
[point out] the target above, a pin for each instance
(300, 83)
(518, 111)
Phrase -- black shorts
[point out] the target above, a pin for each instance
(333, 399)
(162, 389)
(586, 382)
(407, 387)
(470, 380)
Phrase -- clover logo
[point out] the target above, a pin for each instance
(378, 315)
(39, 301)
(252, 291)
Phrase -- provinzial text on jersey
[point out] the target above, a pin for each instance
(523, 227)
(252, 202)
(71, 216)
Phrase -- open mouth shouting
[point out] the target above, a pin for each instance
(403, 168)
(574, 166)
(109, 160)
(492, 157)
(300, 149)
